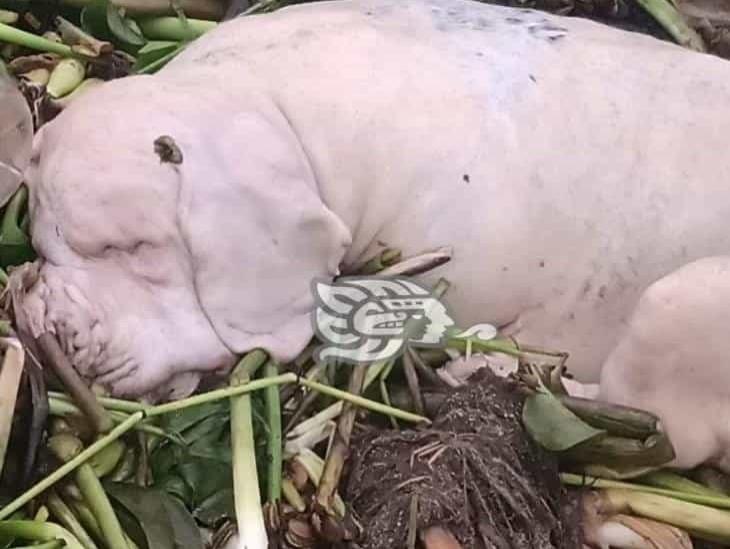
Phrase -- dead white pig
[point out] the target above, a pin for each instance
(673, 359)
(554, 155)
(16, 134)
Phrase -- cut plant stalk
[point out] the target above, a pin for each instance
(249, 513)
(10, 375)
(671, 19)
(31, 530)
(66, 517)
(419, 264)
(718, 502)
(414, 386)
(65, 77)
(366, 403)
(80, 40)
(673, 481)
(82, 395)
(8, 17)
(335, 461)
(66, 447)
(31, 41)
(292, 496)
(703, 522)
(273, 418)
(386, 258)
(314, 465)
(204, 9)
(385, 394)
(70, 466)
(171, 28)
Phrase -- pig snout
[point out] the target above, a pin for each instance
(116, 338)
(59, 307)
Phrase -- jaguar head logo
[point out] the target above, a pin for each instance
(364, 319)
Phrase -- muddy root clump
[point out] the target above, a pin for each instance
(473, 473)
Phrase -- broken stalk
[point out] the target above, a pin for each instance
(335, 462)
(273, 417)
(99, 418)
(249, 513)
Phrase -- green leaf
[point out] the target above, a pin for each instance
(206, 477)
(553, 426)
(217, 507)
(176, 486)
(15, 246)
(124, 29)
(152, 51)
(187, 534)
(180, 421)
(105, 21)
(165, 522)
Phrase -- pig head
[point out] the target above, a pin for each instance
(173, 239)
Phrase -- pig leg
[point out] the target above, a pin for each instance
(673, 359)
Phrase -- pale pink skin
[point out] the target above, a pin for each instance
(556, 156)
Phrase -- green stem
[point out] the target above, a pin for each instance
(63, 407)
(171, 28)
(56, 544)
(86, 517)
(66, 517)
(718, 502)
(38, 531)
(70, 466)
(99, 503)
(366, 403)
(150, 68)
(119, 405)
(273, 417)
(673, 22)
(249, 514)
(28, 40)
(673, 481)
(385, 395)
(219, 394)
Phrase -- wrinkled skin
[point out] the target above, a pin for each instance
(556, 156)
(16, 135)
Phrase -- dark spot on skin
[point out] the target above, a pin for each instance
(505, 269)
(368, 13)
(533, 79)
(479, 54)
(542, 263)
(586, 288)
(58, 231)
(167, 150)
(381, 243)
(571, 316)
(547, 31)
(602, 292)
(466, 178)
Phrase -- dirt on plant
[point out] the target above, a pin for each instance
(473, 475)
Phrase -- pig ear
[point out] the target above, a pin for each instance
(258, 233)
